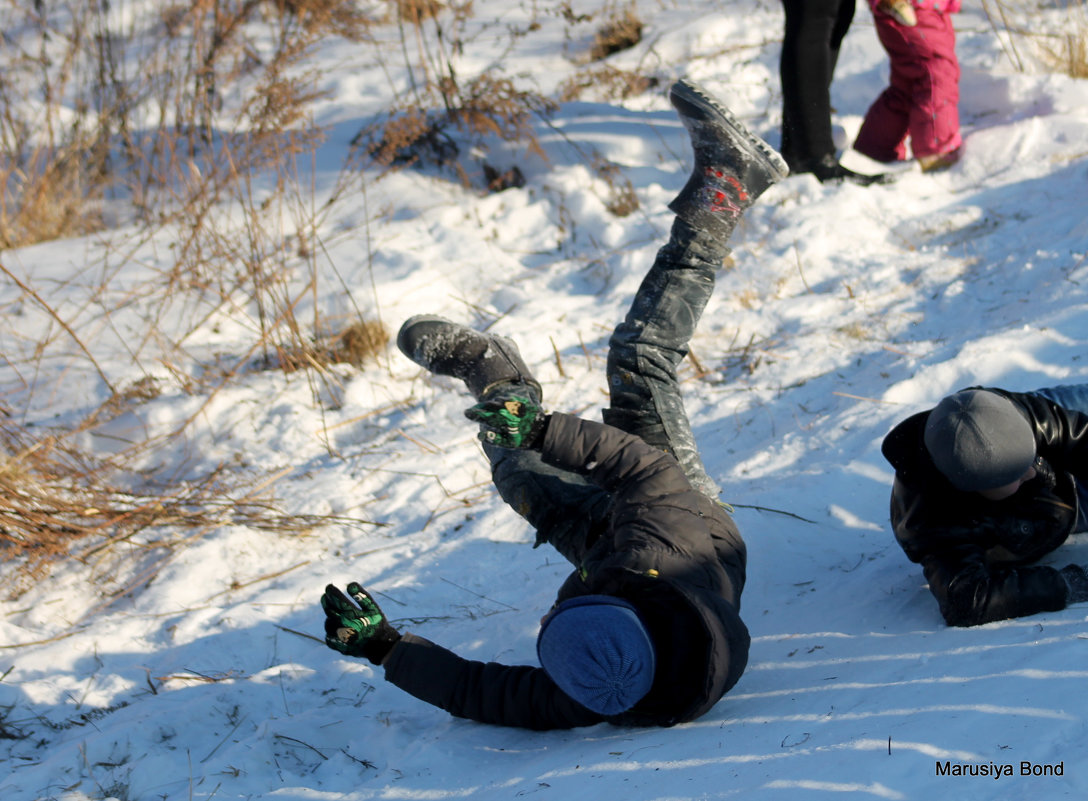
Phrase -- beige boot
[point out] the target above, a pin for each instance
(939, 161)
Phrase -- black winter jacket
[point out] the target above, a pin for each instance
(671, 551)
(973, 551)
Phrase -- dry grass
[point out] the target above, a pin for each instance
(467, 114)
(325, 17)
(1017, 26)
(164, 123)
(1069, 54)
(70, 99)
(57, 502)
(443, 115)
(621, 200)
(416, 12)
(606, 83)
(621, 30)
(45, 197)
(356, 345)
(74, 108)
(497, 181)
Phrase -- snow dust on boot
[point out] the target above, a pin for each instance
(484, 362)
(732, 165)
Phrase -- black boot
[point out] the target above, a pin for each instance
(483, 361)
(828, 169)
(732, 165)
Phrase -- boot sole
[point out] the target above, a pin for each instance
(689, 94)
(404, 341)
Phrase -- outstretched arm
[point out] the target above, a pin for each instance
(969, 589)
(970, 592)
(486, 692)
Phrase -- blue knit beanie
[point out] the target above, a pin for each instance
(598, 652)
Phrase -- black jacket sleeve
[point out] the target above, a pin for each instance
(969, 589)
(971, 593)
(654, 506)
(621, 463)
(1061, 434)
(487, 692)
(656, 510)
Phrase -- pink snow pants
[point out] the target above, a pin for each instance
(922, 102)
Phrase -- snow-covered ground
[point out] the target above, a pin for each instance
(847, 309)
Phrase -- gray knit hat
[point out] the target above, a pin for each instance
(979, 440)
(597, 650)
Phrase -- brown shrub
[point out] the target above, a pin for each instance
(485, 106)
(336, 17)
(621, 31)
(605, 83)
(359, 343)
(45, 198)
(416, 12)
(1069, 54)
(621, 200)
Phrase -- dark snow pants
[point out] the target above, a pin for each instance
(644, 353)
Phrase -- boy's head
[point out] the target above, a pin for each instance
(597, 650)
(980, 441)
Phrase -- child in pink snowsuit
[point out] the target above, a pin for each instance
(922, 102)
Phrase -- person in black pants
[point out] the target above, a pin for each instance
(810, 49)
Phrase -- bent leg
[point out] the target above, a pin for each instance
(565, 510)
(733, 167)
(884, 132)
(647, 347)
(935, 121)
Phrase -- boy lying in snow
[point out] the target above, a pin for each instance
(986, 483)
(646, 631)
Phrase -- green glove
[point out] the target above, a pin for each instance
(511, 422)
(360, 631)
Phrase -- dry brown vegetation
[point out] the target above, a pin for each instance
(605, 82)
(1016, 24)
(1068, 53)
(621, 30)
(190, 125)
(161, 123)
(438, 116)
(57, 501)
